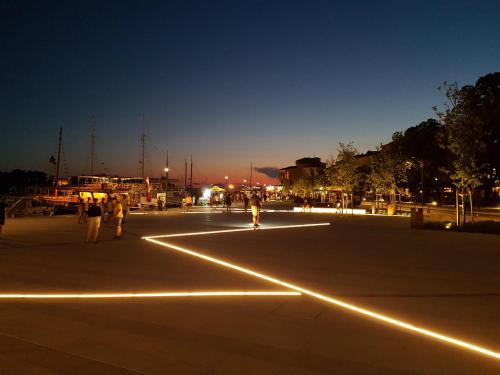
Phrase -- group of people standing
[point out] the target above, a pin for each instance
(94, 211)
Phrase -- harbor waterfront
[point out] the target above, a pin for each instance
(450, 287)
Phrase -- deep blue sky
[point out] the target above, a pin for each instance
(229, 82)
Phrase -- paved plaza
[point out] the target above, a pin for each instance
(445, 282)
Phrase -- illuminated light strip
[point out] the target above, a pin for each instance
(143, 295)
(234, 230)
(330, 210)
(345, 305)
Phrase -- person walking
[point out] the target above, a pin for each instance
(3, 207)
(109, 210)
(125, 209)
(118, 216)
(228, 202)
(246, 200)
(160, 204)
(87, 207)
(188, 201)
(255, 206)
(94, 219)
(81, 211)
(103, 206)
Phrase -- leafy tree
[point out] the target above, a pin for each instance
(388, 172)
(419, 145)
(287, 187)
(342, 170)
(483, 103)
(303, 186)
(16, 181)
(464, 136)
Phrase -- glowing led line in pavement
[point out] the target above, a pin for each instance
(234, 230)
(348, 306)
(142, 295)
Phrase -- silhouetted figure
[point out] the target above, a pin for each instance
(255, 205)
(94, 219)
(228, 202)
(81, 211)
(118, 216)
(3, 207)
(246, 201)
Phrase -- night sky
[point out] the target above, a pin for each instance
(228, 82)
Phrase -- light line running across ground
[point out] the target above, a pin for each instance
(142, 295)
(233, 230)
(334, 301)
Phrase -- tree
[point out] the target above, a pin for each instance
(419, 145)
(16, 181)
(342, 169)
(464, 136)
(302, 186)
(388, 172)
(483, 102)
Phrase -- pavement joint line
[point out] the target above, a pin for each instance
(60, 350)
(189, 234)
(145, 295)
(345, 305)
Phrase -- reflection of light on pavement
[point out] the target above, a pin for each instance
(234, 230)
(142, 295)
(203, 212)
(348, 306)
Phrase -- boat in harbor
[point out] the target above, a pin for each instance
(68, 191)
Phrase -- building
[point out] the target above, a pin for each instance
(305, 168)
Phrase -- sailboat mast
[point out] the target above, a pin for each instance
(143, 141)
(185, 174)
(251, 171)
(92, 146)
(58, 155)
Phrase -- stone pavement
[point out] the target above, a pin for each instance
(449, 282)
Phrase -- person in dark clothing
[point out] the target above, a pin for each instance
(3, 207)
(246, 201)
(228, 202)
(94, 218)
